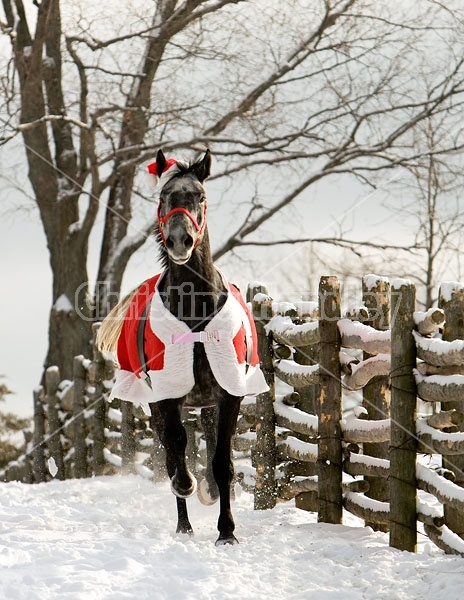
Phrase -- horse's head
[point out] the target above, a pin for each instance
(182, 206)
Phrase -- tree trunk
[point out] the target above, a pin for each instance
(70, 326)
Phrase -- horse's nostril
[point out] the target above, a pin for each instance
(188, 241)
(169, 244)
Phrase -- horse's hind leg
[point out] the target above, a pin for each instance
(167, 418)
(208, 491)
(223, 468)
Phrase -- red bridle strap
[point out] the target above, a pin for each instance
(200, 229)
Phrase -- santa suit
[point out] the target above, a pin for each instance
(229, 340)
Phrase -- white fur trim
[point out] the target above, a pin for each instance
(131, 388)
(227, 371)
(158, 182)
(150, 181)
(255, 381)
(176, 379)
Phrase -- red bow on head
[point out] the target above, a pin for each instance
(151, 168)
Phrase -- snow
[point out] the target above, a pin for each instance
(420, 316)
(427, 509)
(300, 446)
(260, 298)
(368, 503)
(347, 327)
(290, 367)
(444, 486)
(114, 415)
(295, 414)
(355, 311)
(352, 423)
(113, 459)
(63, 304)
(359, 410)
(439, 379)
(422, 427)
(371, 281)
(74, 227)
(373, 359)
(280, 308)
(437, 345)
(48, 62)
(282, 325)
(114, 538)
(399, 283)
(306, 307)
(448, 288)
(452, 539)
(371, 461)
(51, 465)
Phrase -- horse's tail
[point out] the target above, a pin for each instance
(111, 327)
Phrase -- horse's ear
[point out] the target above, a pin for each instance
(160, 162)
(202, 168)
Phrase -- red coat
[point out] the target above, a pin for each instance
(230, 344)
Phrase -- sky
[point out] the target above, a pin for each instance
(113, 538)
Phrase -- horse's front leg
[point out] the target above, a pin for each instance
(223, 468)
(208, 492)
(167, 419)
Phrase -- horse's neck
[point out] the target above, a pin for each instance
(194, 292)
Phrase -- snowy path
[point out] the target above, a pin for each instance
(113, 538)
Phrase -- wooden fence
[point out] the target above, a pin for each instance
(373, 460)
(384, 440)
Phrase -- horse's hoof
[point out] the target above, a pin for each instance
(180, 492)
(185, 529)
(204, 495)
(226, 540)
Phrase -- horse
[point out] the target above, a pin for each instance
(185, 338)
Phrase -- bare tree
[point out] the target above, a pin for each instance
(295, 92)
(430, 201)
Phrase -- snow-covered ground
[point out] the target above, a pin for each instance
(114, 537)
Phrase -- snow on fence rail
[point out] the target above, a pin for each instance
(301, 443)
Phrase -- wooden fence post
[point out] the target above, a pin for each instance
(101, 370)
(265, 450)
(403, 492)
(79, 426)
(52, 380)
(330, 407)
(376, 394)
(39, 467)
(127, 436)
(451, 300)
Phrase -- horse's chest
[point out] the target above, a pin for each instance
(206, 388)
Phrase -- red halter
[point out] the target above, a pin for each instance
(200, 229)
